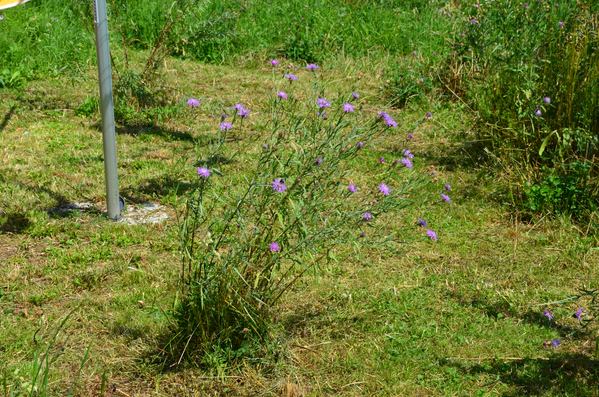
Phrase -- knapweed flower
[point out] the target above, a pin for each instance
(278, 185)
(312, 67)
(407, 162)
(290, 77)
(323, 103)
(473, 21)
(578, 313)
(318, 160)
(242, 111)
(387, 119)
(360, 145)
(428, 115)
(445, 198)
(384, 189)
(193, 102)
(225, 126)
(547, 100)
(447, 187)
(203, 172)
(274, 62)
(560, 24)
(352, 188)
(431, 234)
(282, 95)
(421, 222)
(274, 247)
(408, 154)
(367, 216)
(348, 108)
(555, 342)
(538, 112)
(547, 313)
(382, 160)
(355, 95)
(410, 136)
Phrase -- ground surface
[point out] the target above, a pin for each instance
(462, 316)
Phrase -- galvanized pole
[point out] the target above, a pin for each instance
(107, 108)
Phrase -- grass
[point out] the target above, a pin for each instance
(403, 317)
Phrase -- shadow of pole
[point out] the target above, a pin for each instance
(7, 117)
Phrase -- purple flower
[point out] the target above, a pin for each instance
(274, 247)
(352, 188)
(318, 160)
(360, 145)
(407, 162)
(193, 102)
(348, 108)
(312, 67)
(408, 154)
(242, 111)
(355, 95)
(203, 172)
(473, 21)
(323, 103)
(410, 136)
(384, 189)
(538, 112)
(389, 121)
(555, 342)
(290, 77)
(560, 24)
(428, 115)
(447, 187)
(225, 126)
(547, 100)
(421, 222)
(547, 313)
(431, 234)
(445, 198)
(282, 95)
(578, 314)
(278, 185)
(382, 160)
(367, 216)
(274, 62)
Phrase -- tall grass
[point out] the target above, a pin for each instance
(531, 73)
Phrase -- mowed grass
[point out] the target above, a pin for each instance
(396, 316)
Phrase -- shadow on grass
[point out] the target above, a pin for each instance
(14, 223)
(161, 186)
(7, 117)
(564, 374)
(468, 154)
(158, 131)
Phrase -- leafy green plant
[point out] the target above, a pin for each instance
(246, 242)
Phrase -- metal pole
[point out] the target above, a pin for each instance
(107, 108)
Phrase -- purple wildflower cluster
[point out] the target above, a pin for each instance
(538, 112)
(548, 314)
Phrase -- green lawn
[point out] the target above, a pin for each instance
(405, 317)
